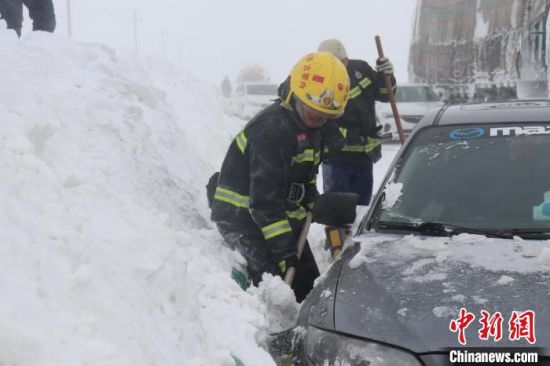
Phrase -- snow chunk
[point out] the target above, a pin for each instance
(504, 280)
(432, 276)
(479, 300)
(280, 302)
(459, 298)
(443, 311)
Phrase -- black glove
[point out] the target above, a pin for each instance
(285, 264)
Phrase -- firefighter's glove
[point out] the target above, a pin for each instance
(384, 65)
(288, 262)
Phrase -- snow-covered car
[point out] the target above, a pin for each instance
(413, 101)
(453, 251)
(251, 97)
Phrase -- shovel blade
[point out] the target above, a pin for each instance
(335, 208)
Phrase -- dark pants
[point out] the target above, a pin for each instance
(41, 12)
(251, 244)
(349, 176)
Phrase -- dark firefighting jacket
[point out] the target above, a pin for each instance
(358, 123)
(271, 159)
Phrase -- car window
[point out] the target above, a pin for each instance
(407, 94)
(261, 89)
(484, 177)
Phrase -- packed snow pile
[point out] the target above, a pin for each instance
(107, 253)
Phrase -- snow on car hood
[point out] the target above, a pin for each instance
(404, 290)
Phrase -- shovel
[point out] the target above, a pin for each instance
(391, 96)
(331, 208)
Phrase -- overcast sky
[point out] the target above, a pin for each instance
(214, 38)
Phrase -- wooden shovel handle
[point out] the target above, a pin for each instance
(391, 96)
(301, 243)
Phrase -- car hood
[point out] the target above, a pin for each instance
(404, 290)
(410, 109)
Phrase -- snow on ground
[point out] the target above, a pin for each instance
(107, 253)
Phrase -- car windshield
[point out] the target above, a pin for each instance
(483, 177)
(261, 89)
(409, 94)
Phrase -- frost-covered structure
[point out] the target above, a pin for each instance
(481, 49)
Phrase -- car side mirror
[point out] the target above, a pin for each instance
(335, 208)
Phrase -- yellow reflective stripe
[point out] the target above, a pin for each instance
(373, 143)
(317, 160)
(354, 148)
(365, 82)
(307, 155)
(314, 180)
(282, 265)
(275, 229)
(234, 198)
(355, 92)
(241, 141)
(298, 214)
(343, 131)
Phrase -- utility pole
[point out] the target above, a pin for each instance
(69, 25)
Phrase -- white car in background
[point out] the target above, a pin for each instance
(251, 97)
(413, 102)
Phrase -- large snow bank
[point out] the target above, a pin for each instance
(107, 254)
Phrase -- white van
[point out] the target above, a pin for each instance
(251, 97)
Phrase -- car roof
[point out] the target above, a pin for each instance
(495, 112)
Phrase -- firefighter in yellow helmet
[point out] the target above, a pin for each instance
(267, 179)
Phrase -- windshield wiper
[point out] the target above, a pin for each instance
(525, 233)
(434, 228)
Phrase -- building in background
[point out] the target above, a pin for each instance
(481, 50)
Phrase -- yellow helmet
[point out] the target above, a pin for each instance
(320, 81)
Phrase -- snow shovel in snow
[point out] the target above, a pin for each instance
(389, 87)
(331, 208)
